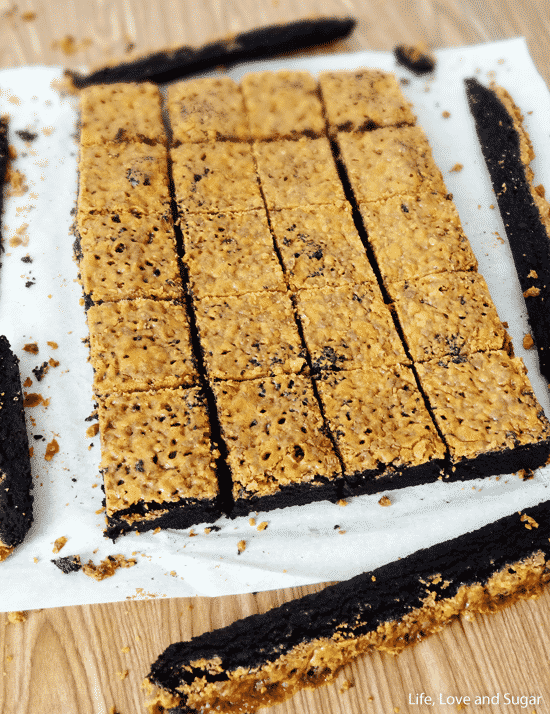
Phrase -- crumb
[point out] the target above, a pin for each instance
(241, 546)
(341, 532)
(92, 430)
(58, 544)
(384, 501)
(207, 530)
(69, 46)
(51, 449)
(68, 564)
(125, 649)
(342, 502)
(100, 510)
(27, 382)
(532, 274)
(157, 530)
(122, 675)
(17, 616)
(35, 559)
(528, 342)
(251, 521)
(40, 372)
(373, 578)
(192, 533)
(457, 168)
(16, 183)
(31, 347)
(53, 345)
(113, 710)
(107, 567)
(530, 523)
(262, 526)
(53, 362)
(31, 399)
(31, 451)
(505, 324)
(9, 658)
(531, 292)
(445, 114)
(492, 206)
(26, 135)
(346, 684)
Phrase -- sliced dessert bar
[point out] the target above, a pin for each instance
(124, 177)
(382, 429)
(123, 256)
(157, 460)
(16, 500)
(264, 659)
(363, 99)
(277, 450)
(121, 112)
(283, 104)
(230, 254)
(416, 235)
(248, 336)
(209, 178)
(447, 314)
(388, 162)
(320, 246)
(207, 109)
(487, 413)
(298, 173)
(139, 345)
(348, 327)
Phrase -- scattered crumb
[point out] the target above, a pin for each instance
(53, 345)
(241, 546)
(373, 578)
(456, 168)
(107, 567)
(396, 710)
(48, 130)
(31, 347)
(26, 135)
(251, 521)
(122, 675)
(92, 430)
(68, 564)
(346, 684)
(157, 530)
(69, 46)
(342, 502)
(27, 382)
(492, 206)
(35, 559)
(113, 710)
(17, 616)
(125, 649)
(53, 362)
(41, 371)
(528, 342)
(100, 510)
(533, 274)
(51, 449)
(417, 58)
(445, 114)
(16, 183)
(530, 523)
(341, 532)
(506, 325)
(384, 501)
(192, 533)
(531, 292)
(262, 526)
(31, 399)
(58, 544)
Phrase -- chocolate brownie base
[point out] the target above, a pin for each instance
(263, 659)
(508, 153)
(16, 514)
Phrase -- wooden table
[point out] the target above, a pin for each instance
(73, 660)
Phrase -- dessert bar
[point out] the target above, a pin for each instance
(16, 500)
(264, 659)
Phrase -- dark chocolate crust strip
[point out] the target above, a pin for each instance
(4, 158)
(507, 153)
(265, 42)
(15, 468)
(265, 658)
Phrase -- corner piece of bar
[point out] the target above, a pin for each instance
(264, 659)
(508, 152)
(16, 501)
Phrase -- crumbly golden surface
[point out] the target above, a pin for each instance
(348, 327)
(363, 99)
(139, 345)
(388, 162)
(416, 235)
(378, 419)
(274, 434)
(298, 173)
(156, 448)
(230, 254)
(126, 256)
(248, 336)
(482, 403)
(317, 661)
(320, 246)
(5, 551)
(207, 109)
(447, 314)
(126, 111)
(214, 177)
(283, 104)
(123, 177)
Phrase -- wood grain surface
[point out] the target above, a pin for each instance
(92, 659)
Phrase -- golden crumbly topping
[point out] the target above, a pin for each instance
(417, 235)
(156, 448)
(249, 336)
(139, 345)
(389, 161)
(364, 98)
(320, 246)
(207, 109)
(209, 178)
(447, 314)
(348, 327)
(230, 254)
(298, 173)
(125, 256)
(283, 104)
(124, 177)
(121, 112)
(274, 434)
(483, 403)
(378, 418)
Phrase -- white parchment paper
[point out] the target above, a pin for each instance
(40, 302)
